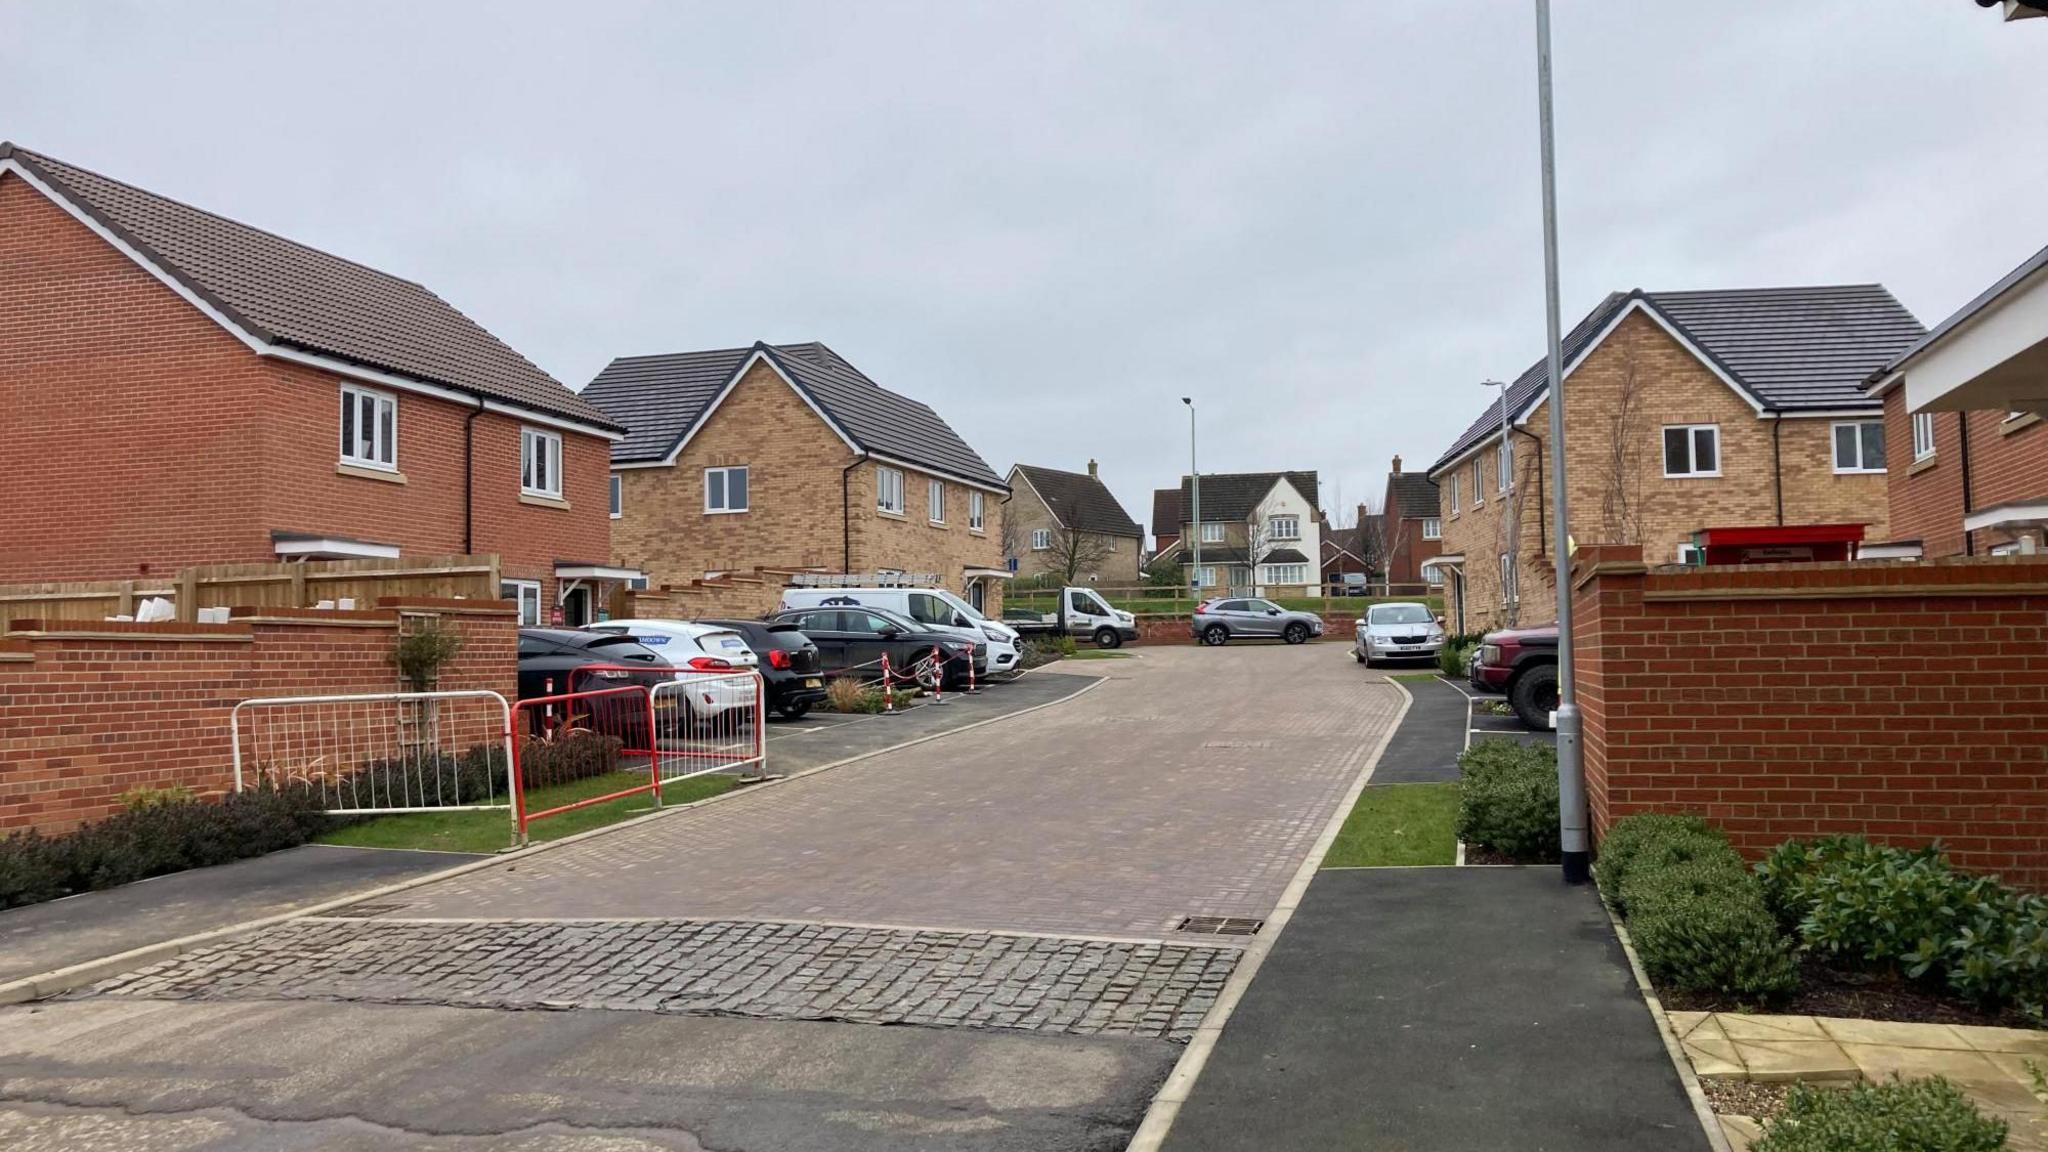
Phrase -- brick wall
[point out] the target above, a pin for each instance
(91, 712)
(2008, 462)
(1670, 387)
(1907, 703)
(161, 441)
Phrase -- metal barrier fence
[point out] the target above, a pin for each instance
(575, 745)
(710, 722)
(380, 752)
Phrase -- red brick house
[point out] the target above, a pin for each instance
(1413, 526)
(1968, 400)
(194, 390)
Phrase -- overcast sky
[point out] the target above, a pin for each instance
(1052, 221)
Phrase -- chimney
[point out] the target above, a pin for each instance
(1397, 463)
(1091, 469)
(1362, 517)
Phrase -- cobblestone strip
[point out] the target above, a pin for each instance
(737, 968)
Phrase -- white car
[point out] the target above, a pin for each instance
(935, 608)
(706, 657)
(1397, 632)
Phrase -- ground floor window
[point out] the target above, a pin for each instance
(1205, 577)
(1286, 574)
(526, 593)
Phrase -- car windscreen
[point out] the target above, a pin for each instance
(1400, 614)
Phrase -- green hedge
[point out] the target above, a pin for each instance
(1507, 800)
(1929, 1115)
(1696, 913)
(1452, 656)
(152, 839)
(1911, 912)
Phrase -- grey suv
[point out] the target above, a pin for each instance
(1221, 621)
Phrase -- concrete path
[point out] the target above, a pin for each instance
(1425, 749)
(1441, 1010)
(42, 937)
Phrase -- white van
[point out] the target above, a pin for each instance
(935, 607)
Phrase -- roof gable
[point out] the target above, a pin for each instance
(278, 294)
(1412, 495)
(1078, 501)
(662, 400)
(1236, 495)
(1168, 514)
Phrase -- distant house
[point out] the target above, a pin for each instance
(1412, 527)
(787, 456)
(1167, 515)
(1260, 533)
(183, 389)
(1348, 552)
(1057, 518)
(1689, 410)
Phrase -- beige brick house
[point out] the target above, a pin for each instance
(787, 456)
(1684, 410)
(1056, 521)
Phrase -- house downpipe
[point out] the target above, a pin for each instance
(1963, 450)
(469, 478)
(1777, 467)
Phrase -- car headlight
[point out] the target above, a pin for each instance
(1489, 654)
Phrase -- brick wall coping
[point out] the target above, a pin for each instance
(17, 650)
(128, 630)
(353, 618)
(1840, 580)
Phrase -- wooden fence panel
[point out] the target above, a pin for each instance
(297, 584)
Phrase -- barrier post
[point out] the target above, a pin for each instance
(971, 689)
(888, 695)
(654, 750)
(939, 674)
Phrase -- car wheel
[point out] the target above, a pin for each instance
(1295, 633)
(1533, 696)
(1361, 657)
(1108, 638)
(1215, 635)
(796, 711)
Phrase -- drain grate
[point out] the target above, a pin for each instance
(364, 911)
(1220, 925)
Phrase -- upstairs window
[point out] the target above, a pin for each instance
(976, 520)
(1432, 528)
(369, 428)
(540, 463)
(725, 489)
(1859, 447)
(1923, 435)
(1692, 450)
(935, 501)
(618, 495)
(1212, 533)
(1478, 481)
(1041, 539)
(1284, 528)
(1454, 493)
(889, 490)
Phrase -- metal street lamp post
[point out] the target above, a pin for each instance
(1571, 779)
(1195, 482)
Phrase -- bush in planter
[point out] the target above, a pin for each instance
(566, 756)
(1656, 838)
(1929, 1115)
(1508, 799)
(1694, 911)
(849, 694)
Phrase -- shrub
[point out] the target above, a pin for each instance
(1929, 1115)
(847, 694)
(1452, 656)
(1912, 912)
(1694, 910)
(1508, 799)
(568, 755)
(148, 797)
(1044, 650)
(420, 655)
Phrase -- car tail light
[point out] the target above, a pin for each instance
(1203, 606)
(779, 658)
(710, 664)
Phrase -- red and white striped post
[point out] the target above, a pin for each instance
(888, 695)
(939, 675)
(971, 689)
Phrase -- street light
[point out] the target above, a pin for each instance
(1571, 778)
(1504, 463)
(1195, 482)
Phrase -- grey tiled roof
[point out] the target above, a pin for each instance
(2028, 267)
(1414, 495)
(1233, 495)
(660, 398)
(1167, 515)
(1787, 349)
(1080, 501)
(287, 294)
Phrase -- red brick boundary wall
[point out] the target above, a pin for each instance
(91, 710)
(1167, 628)
(1907, 703)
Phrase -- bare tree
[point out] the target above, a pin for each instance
(1621, 481)
(1376, 545)
(1073, 551)
(1006, 532)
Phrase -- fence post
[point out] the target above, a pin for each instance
(187, 595)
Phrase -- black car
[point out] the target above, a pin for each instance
(852, 641)
(789, 663)
(549, 659)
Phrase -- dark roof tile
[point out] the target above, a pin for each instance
(1414, 495)
(1080, 501)
(1167, 516)
(1233, 495)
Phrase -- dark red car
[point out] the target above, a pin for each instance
(1521, 664)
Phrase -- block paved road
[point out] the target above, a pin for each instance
(713, 978)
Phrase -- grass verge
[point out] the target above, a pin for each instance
(1396, 825)
(492, 831)
(1098, 654)
(1414, 677)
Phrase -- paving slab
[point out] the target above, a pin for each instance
(42, 937)
(1452, 1009)
(823, 737)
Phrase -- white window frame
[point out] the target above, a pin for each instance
(521, 591)
(1287, 574)
(383, 441)
(549, 463)
(1692, 432)
(935, 501)
(725, 474)
(1041, 539)
(1432, 528)
(1510, 594)
(1454, 494)
(1205, 576)
(1479, 480)
(1274, 531)
(1690, 553)
(977, 518)
(1212, 531)
(889, 490)
(1923, 436)
(616, 495)
(1834, 447)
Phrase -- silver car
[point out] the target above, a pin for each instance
(1397, 632)
(1221, 621)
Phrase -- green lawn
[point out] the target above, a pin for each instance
(1414, 677)
(492, 831)
(1099, 654)
(1399, 824)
